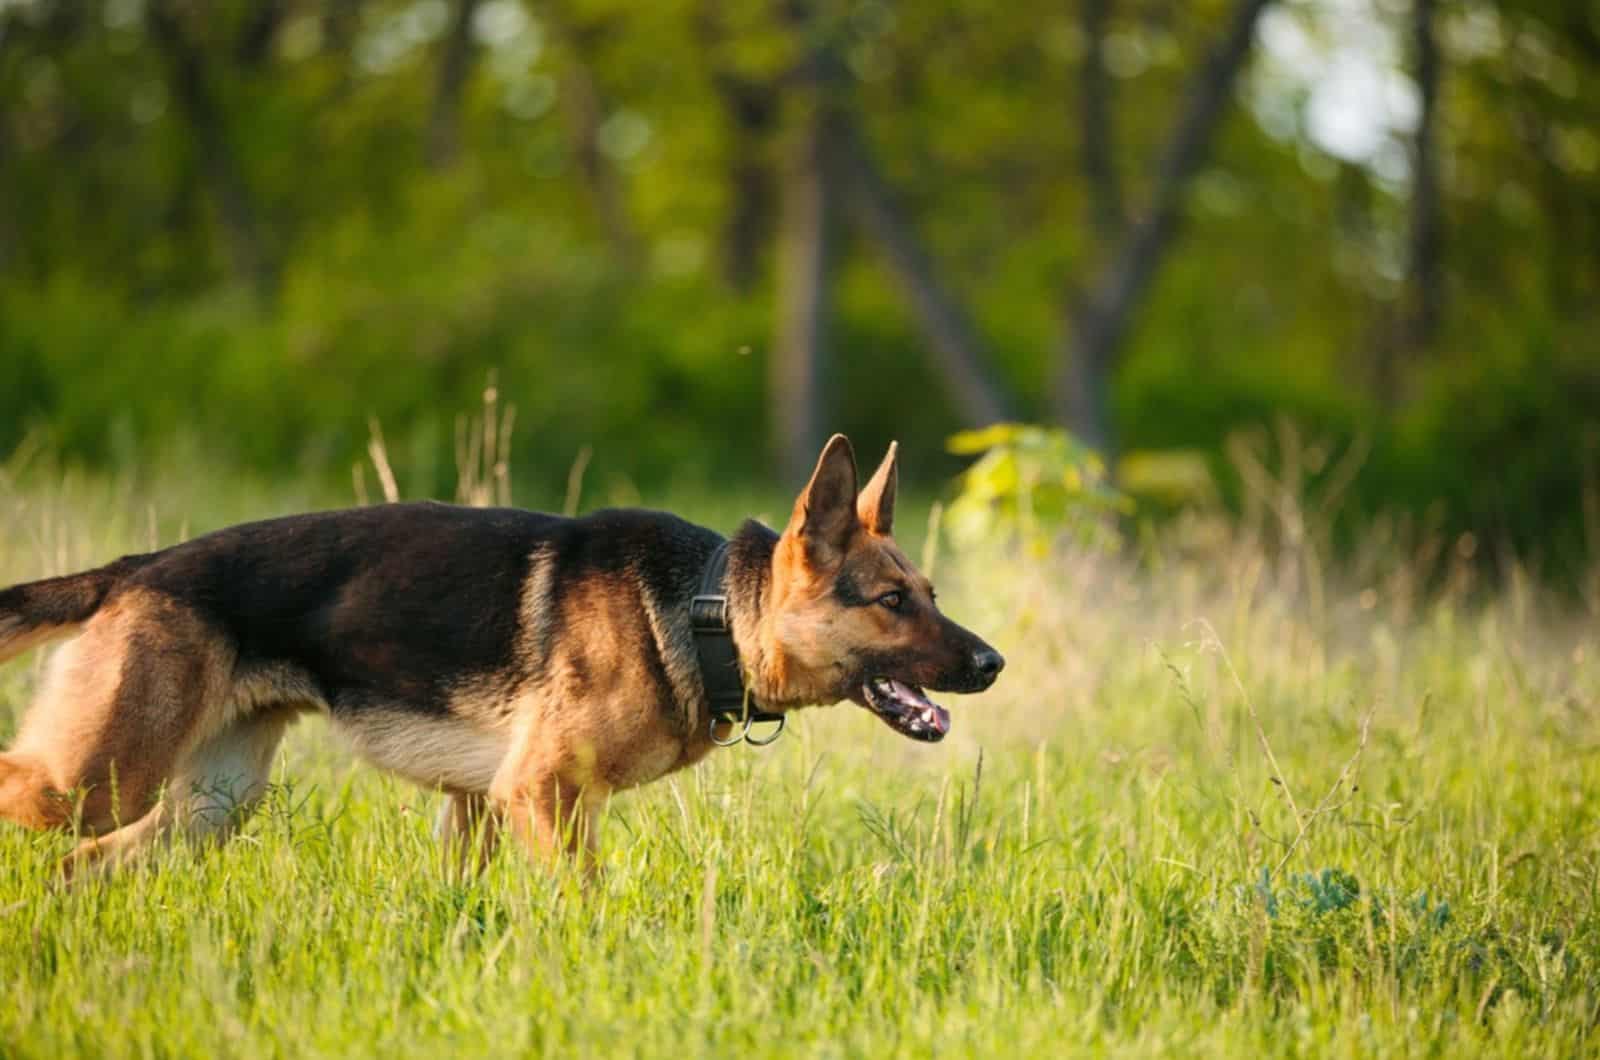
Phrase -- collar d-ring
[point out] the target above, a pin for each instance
(721, 675)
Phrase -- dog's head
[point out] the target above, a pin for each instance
(849, 617)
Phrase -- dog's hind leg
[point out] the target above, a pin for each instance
(469, 828)
(27, 796)
(213, 792)
(145, 683)
(116, 846)
(221, 782)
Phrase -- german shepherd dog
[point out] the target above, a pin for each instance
(526, 664)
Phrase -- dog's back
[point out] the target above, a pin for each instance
(387, 605)
(391, 604)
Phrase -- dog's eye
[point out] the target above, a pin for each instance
(892, 600)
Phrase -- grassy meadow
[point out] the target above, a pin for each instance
(1230, 797)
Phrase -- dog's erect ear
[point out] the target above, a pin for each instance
(825, 513)
(875, 506)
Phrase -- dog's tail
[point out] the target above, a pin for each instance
(42, 611)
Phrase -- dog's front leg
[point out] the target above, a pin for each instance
(552, 817)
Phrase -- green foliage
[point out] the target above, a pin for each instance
(1029, 485)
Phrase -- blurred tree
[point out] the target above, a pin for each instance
(1098, 138)
(809, 197)
(1412, 326)
(193, 85)
(258, 31)
(579, 41)
(749, 105)
(958, 354)
(260, 221)
(1098, 319)
(444, 125)
(1424, 271)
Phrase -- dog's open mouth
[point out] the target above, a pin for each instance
(906, 710)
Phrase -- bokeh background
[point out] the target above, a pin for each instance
(689, 238)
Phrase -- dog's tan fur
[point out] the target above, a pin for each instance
(139, 704)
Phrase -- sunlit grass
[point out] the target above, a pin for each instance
(1100, 858)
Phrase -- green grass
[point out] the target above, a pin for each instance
(1099, 859)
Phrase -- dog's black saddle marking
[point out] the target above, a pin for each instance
(720, 671)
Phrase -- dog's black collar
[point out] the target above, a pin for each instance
(726, 696)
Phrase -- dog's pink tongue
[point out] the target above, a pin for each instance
(932, 714)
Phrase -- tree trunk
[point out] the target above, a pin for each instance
(444, 124)
(1582, 34)
(255, 38)
(585, 113)
(341, 20)
(8, 226)
(1099, 321)
(752, 110)
(1424, 267)
(197, 102)
(799, 362)
(957, 352)
(1099, 147)
(1085, 390)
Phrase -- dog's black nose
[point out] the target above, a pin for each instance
(989, 663)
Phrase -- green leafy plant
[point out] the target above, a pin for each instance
(1031, 486)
